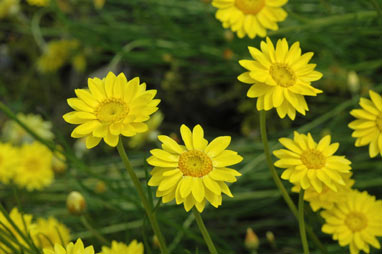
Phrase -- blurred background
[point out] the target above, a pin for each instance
(180, 49)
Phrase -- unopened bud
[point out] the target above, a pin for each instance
(251, 240)
(100, 187)
(353, 82)
(271, 239)
(228, 35)
(156, 242)
(75, 203)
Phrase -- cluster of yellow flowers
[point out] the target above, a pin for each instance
(51, 235)
(25, 161)
(196, 172)
(44, 232)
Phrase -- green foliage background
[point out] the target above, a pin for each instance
(179, 48)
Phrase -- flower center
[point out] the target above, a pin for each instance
(112, 110)
(313, 159)
(379, 122)
(282, 74)
(195, 163)
(356, 221)
(250, 6)
(32, 164)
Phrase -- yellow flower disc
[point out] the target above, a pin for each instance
(34, 171)
(71, 248)
(310, 164)
(280, 77)
(111, 107)
(117, 248)
(50, 231)
(368, 126)
(194, 173)
(250, 17)
(355, 222)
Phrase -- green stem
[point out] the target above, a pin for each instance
(301, 222)
(204, 231)
(146, 204)
(279, 184)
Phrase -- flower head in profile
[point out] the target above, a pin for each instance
(111, 107)
(117, 248)
(327, 198)
(308, 163)
(18, 220)
(49, 232)
(368, 126)
(71, 248)
(9, 158)
(194, 173)
(250, 17)
(280, 77)
(34, 171)
(356, 222)
(16, 134)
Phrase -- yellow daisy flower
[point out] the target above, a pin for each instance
(35, 170)
(116, 248)
(56, 54)
(111, 107)
(16, 134)
(327, 198)
(9, 158)
(17, 218)
(310, 164)
(71, 248)
(39, 3)
(50, 231)
(368, 126)
(355, 222)
(194, 173)
(280, 77)
(250, 17)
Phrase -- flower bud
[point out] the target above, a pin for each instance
(271, 239)
(353, 82)
(76, 203)
(100, 187)
(156, 242)
(251, 240)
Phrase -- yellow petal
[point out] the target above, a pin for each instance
(186, 136)
(217, 146)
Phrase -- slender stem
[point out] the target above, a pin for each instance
(204, 231)
(146, 204)
(301, 222)
(94, 231)
(279, 184)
